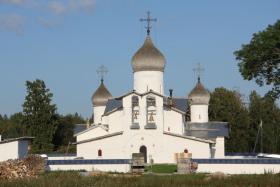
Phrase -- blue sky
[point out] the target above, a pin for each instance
(64, 42)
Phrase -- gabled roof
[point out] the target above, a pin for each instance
(79, 128)
(179, 104)
(140, 94)
(189, 137)
(16, 139)
(99, 138)
(207, 130)
(90, 128)
(112, 105)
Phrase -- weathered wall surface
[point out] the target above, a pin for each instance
(9, 150)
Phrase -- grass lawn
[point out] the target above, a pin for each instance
(73, 179)
(162, 168)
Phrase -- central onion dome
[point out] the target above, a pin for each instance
(101, 96)
(148, 58)
(199, 95)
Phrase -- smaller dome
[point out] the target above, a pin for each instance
(199, 95)
(101, 96)
(148, 58)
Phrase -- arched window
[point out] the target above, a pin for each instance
(135, 112)
(151, 101)
(151, 112)
(135, 101)
(99, 152)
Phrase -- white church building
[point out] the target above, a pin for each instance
(148, 121)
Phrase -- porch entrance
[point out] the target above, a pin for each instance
(143, 150)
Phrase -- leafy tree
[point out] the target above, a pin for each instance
(40, 118)
(65, 131)
(260, 59)
(13, 126)
(265, 109)
(2, 124)
(226, 105)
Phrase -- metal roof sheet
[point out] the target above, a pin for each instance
(207, 130)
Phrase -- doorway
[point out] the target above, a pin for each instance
(143, 150)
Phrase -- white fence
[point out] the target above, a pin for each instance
(230, 166)
(112, 165)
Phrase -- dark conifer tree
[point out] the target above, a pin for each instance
(40, 118)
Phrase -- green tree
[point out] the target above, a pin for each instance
(265, 109)
(260, 59)
(226, 105)
(65, 131)
(2, 124)
(40, 118)
(13, 126)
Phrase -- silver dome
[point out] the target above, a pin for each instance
(101, 96)
(148, 58)
(199, 95)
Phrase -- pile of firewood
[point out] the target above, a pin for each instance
(31, 166)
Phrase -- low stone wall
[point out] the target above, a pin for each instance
(229, 166)
(107, 165)
(238, 166)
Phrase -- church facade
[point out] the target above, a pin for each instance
(146, 120)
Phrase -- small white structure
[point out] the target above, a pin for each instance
(15, 148)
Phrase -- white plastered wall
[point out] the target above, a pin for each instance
(199, 113)
(92, 133)
(173, 122)
(115, 121)
(91, 167)
(110, 146)
(9, 150)
(98, 111)
(149, 80)
(239, 168)
(160, 147)
(174, 144)
(220, 147)
(202, 168)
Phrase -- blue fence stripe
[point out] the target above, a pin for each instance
(199, 161)
(88, 161)
(238, 161)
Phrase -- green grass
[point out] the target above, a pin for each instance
(73, 179)
(162, 168)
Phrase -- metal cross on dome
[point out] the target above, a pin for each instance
(102, 71)
(148, 20)
(198, 71)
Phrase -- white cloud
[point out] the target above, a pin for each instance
(82, 4)
(12, 22)
(13, 2)
(57, 7)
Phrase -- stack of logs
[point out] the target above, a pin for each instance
(31, 166)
